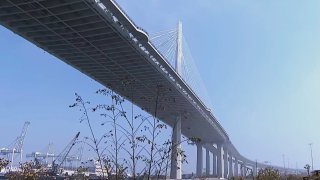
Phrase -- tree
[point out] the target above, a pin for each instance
(129, 142)
(268, 174)
(307, 167)
(293, 177)
(3, 163)
(82, 105)
(27, 171)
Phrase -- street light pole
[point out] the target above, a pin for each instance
(310, 144)
(256, 167)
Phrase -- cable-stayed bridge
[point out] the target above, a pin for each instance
(100, 40)
(167, 43)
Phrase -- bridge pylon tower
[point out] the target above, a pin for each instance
(179, 50)
(176, 159)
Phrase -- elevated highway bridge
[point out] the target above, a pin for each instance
(100, 40)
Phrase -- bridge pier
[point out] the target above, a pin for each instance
(236, 167)
(214, 165)
(230, 166)
(207, 163)
(254, 169)
(244, 169)
(219, 160)
(225, 162)
(176, 166)
(199, 160)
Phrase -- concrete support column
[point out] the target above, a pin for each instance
(225, 162)
(219, 160)
(199, 160)
(244, 169)
(176, 166)
(214, 165)
(236, 167)
(254, 169)
(230, 166)
(207, 163)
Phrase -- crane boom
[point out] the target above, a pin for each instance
(16, 146)
(20, 140)
(56, 164)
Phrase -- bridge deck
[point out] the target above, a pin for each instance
(105, 45)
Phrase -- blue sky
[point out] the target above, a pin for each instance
(258, 59)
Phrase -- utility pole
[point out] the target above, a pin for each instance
(310, 144)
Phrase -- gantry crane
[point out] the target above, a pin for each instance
(42, 158)
(16, 146)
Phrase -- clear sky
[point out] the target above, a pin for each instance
(258, 59)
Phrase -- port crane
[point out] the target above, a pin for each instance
(47, 158)
(42, 158)
(16, 146)
(57, 163)
(76, 157)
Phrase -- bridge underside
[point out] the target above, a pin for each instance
(92, 40)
